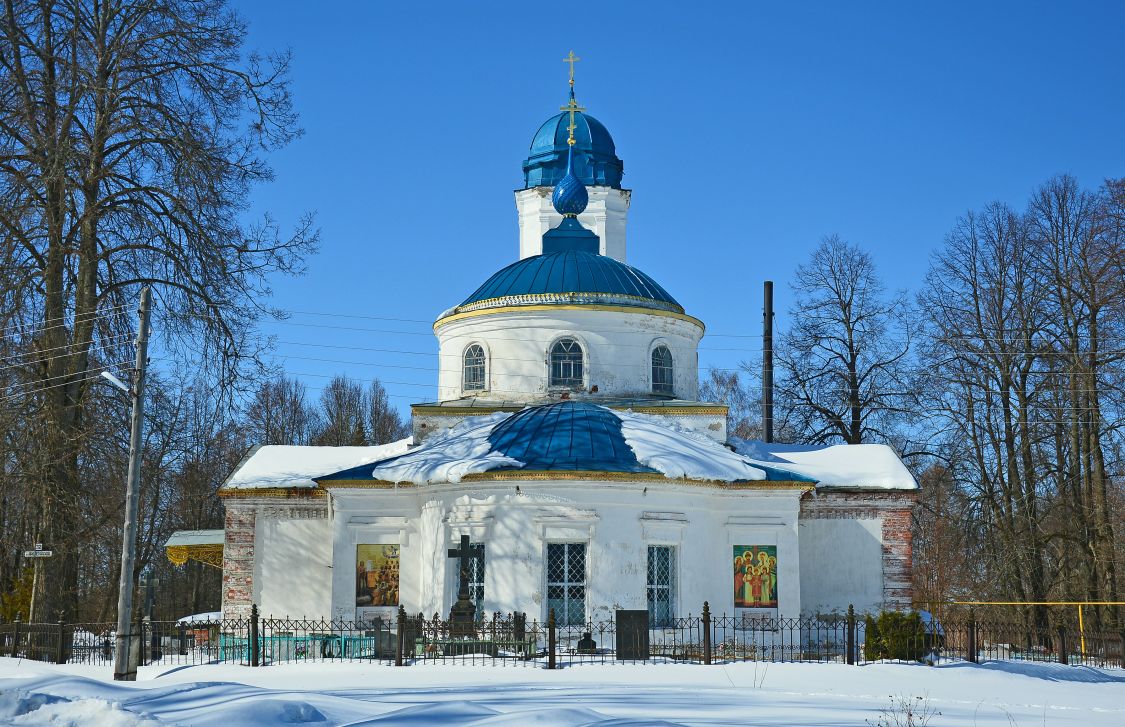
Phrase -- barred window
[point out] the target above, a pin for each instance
(473, 369)
(476, 579)
(661, 585)
(661, 370)
(566, 582)
(566, 363)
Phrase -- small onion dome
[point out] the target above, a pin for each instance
(596, 163)
(570, 196)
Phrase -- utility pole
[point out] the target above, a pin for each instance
(767, 361)
(124, 669)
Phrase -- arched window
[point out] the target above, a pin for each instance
(566, 363)
(472, 373)
(661, 370)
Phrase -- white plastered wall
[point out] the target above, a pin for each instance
(842, 564)
(617, 348)
(617, 521)
(293, 567)
(606, 216)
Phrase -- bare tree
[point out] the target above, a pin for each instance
(131, 133)
(343, 415)
(843, 362)
(280, 414)
(384, 424)
(725, 387)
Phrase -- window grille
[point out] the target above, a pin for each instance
(473, 369)
(566, 363)
(661, 370)
(476, 580)
(661, 585)
(566, 582)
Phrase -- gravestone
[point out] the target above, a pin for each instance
(587, 645)
(632, 634)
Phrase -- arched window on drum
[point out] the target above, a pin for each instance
(662, 371)
(566, 363)
(472, 371)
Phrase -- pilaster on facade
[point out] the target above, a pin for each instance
(238, 561)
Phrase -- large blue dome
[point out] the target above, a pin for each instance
(572, 276)
(569, 435)
(595, 160)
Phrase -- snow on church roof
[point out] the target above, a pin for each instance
(287, 466)
(567, 436)
(860, 466)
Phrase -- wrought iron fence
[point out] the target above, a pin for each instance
(513, 639)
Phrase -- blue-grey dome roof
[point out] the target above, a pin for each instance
(573, 276)
(566, 436)
(569, 435)
(596, 165)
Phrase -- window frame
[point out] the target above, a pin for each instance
(668, 588)
(483, 367)
(571, 384)
(566, 618)
(670, 368)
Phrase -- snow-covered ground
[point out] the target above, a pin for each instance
(998, 694)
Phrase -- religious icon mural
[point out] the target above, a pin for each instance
(376, 575)
(755, 576)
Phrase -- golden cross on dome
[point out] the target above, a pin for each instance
(571, 105)
(571, 59)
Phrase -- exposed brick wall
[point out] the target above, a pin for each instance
(241, 521)
(238, 560)
(894, 509)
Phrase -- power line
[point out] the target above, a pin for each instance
(103, 313)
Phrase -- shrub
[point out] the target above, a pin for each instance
(894, 635)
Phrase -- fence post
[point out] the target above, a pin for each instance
(972, 646)
(254, 655)
(401, 638)
(849, 642)
(60, 652)
(16, 636)
(551, 638)
(706, 632)
(181, 632)
(1063, 659)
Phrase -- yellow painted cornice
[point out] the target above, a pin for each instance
(436, 410)
(578, 476)
(533, 308)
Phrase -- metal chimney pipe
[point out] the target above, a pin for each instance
(767, 361)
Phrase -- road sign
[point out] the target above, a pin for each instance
(38, 553)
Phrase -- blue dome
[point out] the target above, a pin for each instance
(574, 276)
(596, 165)
(569, 435)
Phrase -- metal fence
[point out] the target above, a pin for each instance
(513, 639)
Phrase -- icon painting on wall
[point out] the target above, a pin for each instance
(376, 575)
(755, 576)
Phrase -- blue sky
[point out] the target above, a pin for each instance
(748, 132)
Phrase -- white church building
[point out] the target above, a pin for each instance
(568, 441)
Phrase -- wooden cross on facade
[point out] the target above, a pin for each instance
(465, 553)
